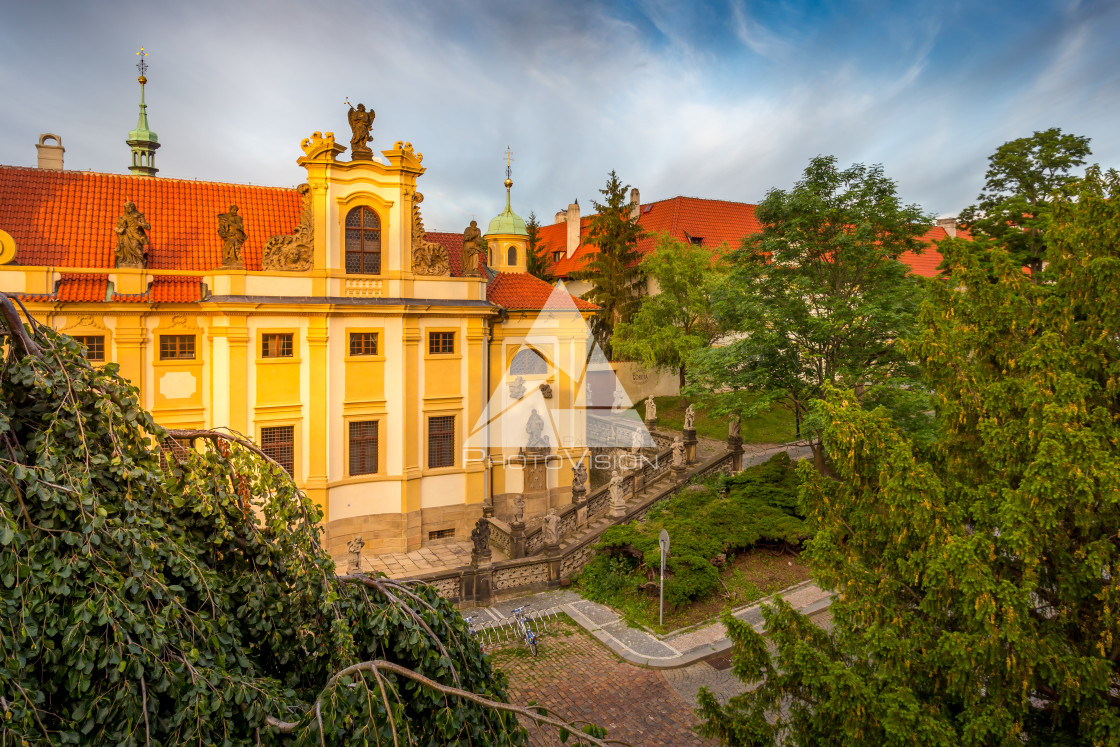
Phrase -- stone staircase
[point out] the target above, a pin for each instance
(600, 523)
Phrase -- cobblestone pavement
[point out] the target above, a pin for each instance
(579, 680)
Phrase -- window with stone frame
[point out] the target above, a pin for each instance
(363, 242)
(176, 347)
(441, 441)
(279, 442)
(363, 447)
(94, 346)
(441, 343)
(363, 343)
(277, 345)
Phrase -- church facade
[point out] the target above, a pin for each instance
(360, 350)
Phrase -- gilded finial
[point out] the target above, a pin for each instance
(509, 169)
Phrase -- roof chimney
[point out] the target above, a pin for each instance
(561, 216)
(635, 204)
(50, 156)
(573, 228)
(950, 226)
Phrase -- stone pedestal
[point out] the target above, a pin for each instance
(579, 500)
(476, 585)
(516, 540)
(735, 445)
(690, 445)
(479, 559)
(651, 425)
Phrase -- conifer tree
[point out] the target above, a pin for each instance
(614, 269)
(536, 253)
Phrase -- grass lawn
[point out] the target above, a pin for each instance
(775, 425)
(751, 575)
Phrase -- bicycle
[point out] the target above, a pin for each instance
(526, 631)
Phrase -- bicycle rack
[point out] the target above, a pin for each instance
(495, 633)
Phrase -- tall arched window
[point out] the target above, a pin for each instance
(511, 256)
(528, 362)
(363, 242)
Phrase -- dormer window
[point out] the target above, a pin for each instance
(557, 256)
(363, 242)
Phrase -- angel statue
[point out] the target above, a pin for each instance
(360, 123)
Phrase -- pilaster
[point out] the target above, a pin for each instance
(318, 336)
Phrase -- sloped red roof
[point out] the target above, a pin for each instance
(516, 290)
(713, 223)
(66, 218)
(166, 289)
(925, 264)
(453, 243)
(78, 287)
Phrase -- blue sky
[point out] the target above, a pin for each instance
(710, 99)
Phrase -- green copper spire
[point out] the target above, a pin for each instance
(508, 222)
(142, 140)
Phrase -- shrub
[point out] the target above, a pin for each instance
(733, 513)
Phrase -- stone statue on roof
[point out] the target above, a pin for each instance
(360, 123)
(474, 246)
(231, 229)
(132, 237)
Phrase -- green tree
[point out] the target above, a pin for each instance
(614, 269)
(1022, 179)
(977, 597)
(819, 298)
(677, 320)
(536, 255)
(189, 601)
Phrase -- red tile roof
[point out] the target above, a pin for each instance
(925, 264)
(713, 222)
(453, 243)
(166, 289)
(79, 287)
(517, 291)
(66, 218)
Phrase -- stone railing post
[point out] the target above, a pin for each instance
(690, 445)
(516, 540)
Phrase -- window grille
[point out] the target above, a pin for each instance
(363, 448)
(441, 441)
(363, 242)
(278, 442)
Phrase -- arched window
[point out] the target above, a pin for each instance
(528, 362)
(363, 242)
(511, 256)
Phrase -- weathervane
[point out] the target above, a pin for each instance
(509, 160)
(141, 65)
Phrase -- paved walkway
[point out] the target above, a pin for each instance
(640, 646)
(579, 681)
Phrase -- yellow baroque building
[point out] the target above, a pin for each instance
(323, 321)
